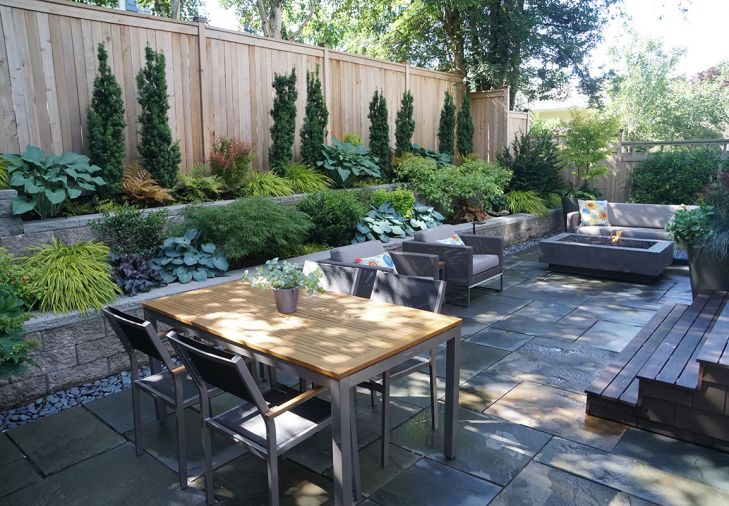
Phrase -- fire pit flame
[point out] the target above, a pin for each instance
(615, 238)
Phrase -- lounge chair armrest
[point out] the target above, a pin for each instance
(458, 259)
(275, 411)
(415, 264)
(573, 221)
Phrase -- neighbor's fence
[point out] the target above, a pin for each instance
(495, 126)
(627, 155)
(219, 81)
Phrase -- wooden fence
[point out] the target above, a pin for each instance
(219, 81)
(495, 126)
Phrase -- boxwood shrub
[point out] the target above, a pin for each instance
(335, 215)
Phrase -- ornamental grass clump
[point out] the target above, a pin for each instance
(304, 179)
(75, 277)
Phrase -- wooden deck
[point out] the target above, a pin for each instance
(673, 377)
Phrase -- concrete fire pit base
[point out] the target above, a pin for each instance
(645, 261)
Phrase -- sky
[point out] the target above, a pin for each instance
(702, 30)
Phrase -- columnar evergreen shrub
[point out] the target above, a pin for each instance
(464, 127)
(404, 125)
(284, 122)
(380, 132)
(105, 121)
(447, 125)
(157, 152)
(314, 131)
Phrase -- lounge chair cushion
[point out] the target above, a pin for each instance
(383, 260)
(454, 240)
(483, 263)
(435, 234)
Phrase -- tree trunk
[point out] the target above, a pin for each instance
(175, 9)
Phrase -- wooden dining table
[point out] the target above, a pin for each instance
(336, 341)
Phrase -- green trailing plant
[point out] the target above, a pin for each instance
(425, 217)
(197, 186)
(304, 179)
(553, 200)
(401, 199)
(250, 228)
(75, 277)
(380, 132)
(4, 176)
(352, 138)
(105, 122)
(127, 230)
(14, 349)
(46, 182)
(404, 125)
(715, 243)
(439, 158)
(314, 130)
(134, 274)
(675, 177)
(334, 215)
(184, 259)
(587, 146)
(533, 158)
(232, 161)
(464, 127)
(686, 226)
(525, 202)
(447, 125)
(382, 223)
(267, 184)
(346, 162)
(157, 152)
(284, 121)
(283, 275)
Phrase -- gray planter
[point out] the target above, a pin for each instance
(287, 300)
(707, 272)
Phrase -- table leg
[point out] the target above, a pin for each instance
(342, 441)
(453, 366)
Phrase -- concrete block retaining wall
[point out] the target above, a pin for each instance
(81, 348)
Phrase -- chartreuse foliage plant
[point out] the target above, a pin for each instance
(587, 145)
(13, 348)
(401, 199)
(464, 127)
(352, 138)
(525, 202)
(314, 130)
(105, 122)
(404, 125)
(284, 121)
(303, 179)
(380, 132)
(4, 176)
(267, 184)
(334, 215)
(71, 277)
(183, 259)
(46, 182)
(157, 152)
(447, 125)
(250, 227)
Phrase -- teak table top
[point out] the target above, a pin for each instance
(335, 335)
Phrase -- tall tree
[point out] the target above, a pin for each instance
(157, 152)
(464, 127)
(380, 132)
(105, 122)
(447, 125)
(314, 131)
(404, 125)
(283, 129)
(278, 19)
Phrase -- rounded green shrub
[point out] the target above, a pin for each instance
(408, 166)
(401, 199)
(335, 215)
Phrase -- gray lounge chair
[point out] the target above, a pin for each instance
(418, 293)
(407, 264)
(479, 261)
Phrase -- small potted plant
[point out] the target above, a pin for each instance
(285, 279)
(704, 233)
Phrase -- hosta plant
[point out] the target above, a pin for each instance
(439, 158)
(134, 274)
(382, 223)
(425, 217)
(45, 182)
(347, 162)
(13, 348)
(282, 275)
(181, 260)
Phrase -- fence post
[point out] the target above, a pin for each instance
(327, 89)
(407, 76)
(204, 90)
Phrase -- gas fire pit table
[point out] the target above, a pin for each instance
(641, 260)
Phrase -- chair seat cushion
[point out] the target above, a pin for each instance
(164, 384)
(631, 232)
(435, 234)
(247, 421)
(482, 263)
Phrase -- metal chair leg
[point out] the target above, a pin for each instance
(180, 421)
(373, 397)
(272, 464)
(137, 414)
(385, 451)
(433, 391)
(208, 463)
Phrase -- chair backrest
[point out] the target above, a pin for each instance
(435, 234)
(209, 365)
(335, 278)
(347, 254)
(418, 293)
(137, 334)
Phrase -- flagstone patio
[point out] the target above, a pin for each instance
(524, 438)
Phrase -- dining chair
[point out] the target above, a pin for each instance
(418, 293)
(267, 423)
(335, 278)
(169, 386)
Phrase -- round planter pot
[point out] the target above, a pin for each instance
(707, 272)
(569, 205)
(287, 300)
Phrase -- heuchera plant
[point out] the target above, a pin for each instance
(134, 274)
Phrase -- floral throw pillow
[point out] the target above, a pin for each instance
(454, 240)
(594, 212)
(384, 260)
